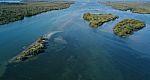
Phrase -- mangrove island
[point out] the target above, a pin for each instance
(33, 50)
(97, 20)
(127, 27)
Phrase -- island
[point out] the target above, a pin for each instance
(127, 27)
(135, 7)
(33, 50)
(10, 12)
(97, 20)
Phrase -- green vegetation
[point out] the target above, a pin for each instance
(135, 7)
(98, 19)
(33, 50)
(10, 12)
(127, 27)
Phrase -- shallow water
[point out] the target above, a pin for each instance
(79, 52)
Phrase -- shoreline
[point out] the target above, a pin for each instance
(137, 7)
(21, 10)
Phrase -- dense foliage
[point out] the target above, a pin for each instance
(127, 27)
(17, 11)
(98, 19)
(135, 7)
(36, 48)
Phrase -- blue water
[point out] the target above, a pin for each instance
(79, 52)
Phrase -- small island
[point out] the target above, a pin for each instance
(33, 50)
(97, 20)
(135, 7)
(127, 27)
(10, 12)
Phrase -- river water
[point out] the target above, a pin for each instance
(79, 52)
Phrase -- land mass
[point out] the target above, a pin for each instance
(135, 7)
(97, 20)
(127, 27)
(10, 12)
(33, 50)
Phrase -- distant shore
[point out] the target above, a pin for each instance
(135, 7)
(11, 12)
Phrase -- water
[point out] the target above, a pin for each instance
(78, 52)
